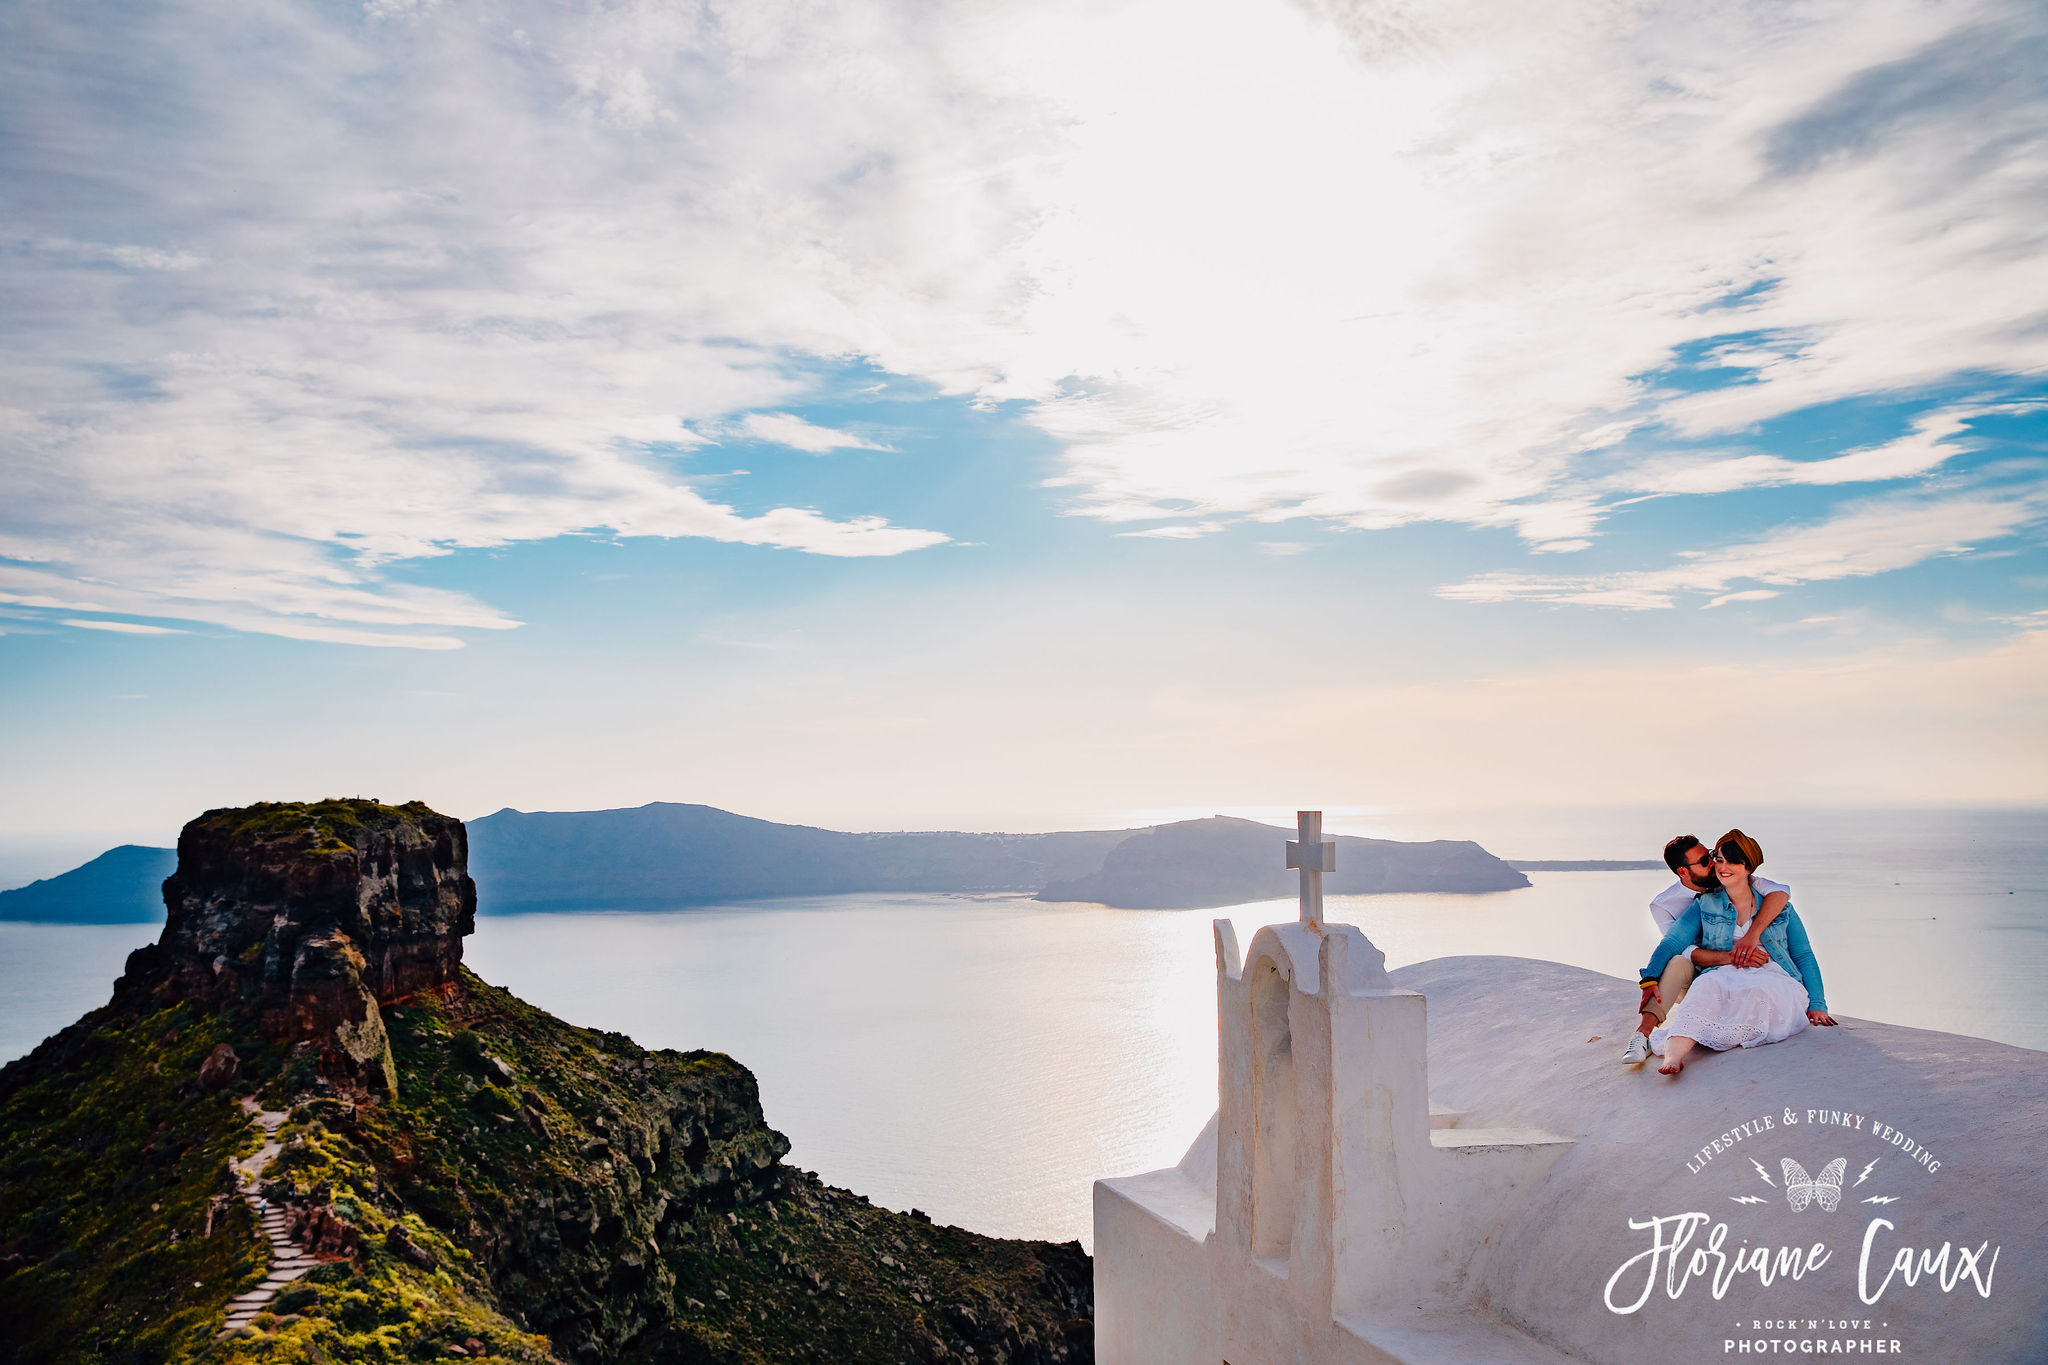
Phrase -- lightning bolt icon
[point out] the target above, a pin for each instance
(1866, 1172)
(1746, 1199)
(1882, 1199)
(1762, 1172)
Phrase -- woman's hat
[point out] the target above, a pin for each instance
(1752, 851)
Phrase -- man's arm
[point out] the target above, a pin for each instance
(1683, 934)
(1667, 905)
(1748, 950)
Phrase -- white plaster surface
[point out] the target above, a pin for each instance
(1508, 1042)
(1468, 1153)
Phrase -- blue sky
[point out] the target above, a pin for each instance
(1018, 415)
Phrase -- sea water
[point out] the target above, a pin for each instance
(984, 1058)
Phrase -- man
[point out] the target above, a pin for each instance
(1693, 862)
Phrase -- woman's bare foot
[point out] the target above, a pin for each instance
(1676, 1050)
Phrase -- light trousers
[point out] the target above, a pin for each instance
(1677, 979)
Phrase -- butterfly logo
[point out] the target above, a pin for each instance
(1824, 1189)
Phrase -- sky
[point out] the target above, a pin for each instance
(926, 415)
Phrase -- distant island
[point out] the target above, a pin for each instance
(668, 854)
(1201, 864)
(122, 886)
(1586, 865)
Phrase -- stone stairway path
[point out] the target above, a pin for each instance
(288, 1260)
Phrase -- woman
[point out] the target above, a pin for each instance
(1731, 1006)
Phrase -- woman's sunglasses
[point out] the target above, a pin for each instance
(1730, 855)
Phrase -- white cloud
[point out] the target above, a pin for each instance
(121, 627)
(1365, 264)
(296, 600)
(128, 255)
(365, 345)
(1877, 535)
(1933, 439)
(787, 429)
(1180, 530)
(1434, 272)
(653, 431)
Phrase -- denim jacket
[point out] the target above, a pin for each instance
(1710, 923)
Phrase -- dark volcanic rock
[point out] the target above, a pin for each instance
(404, 1246)
(314, 916)
(321, 1231)
(220, 1069)
(1197, 864)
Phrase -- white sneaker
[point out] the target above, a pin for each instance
(1638, 1051)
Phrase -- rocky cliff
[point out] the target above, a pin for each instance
(314, 917)
(491, 1182)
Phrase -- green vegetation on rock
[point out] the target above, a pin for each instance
(534, 1191)
(338, 825)
(105, 1190)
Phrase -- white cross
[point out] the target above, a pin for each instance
(1313, 857)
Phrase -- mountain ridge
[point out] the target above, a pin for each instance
(670, 853)
(664, 854)
(121, 886)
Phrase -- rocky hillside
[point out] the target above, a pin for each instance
(476, 1178)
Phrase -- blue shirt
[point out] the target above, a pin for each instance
(1710, 923)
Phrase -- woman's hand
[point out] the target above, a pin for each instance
(1820, 1019)
(1748, 953)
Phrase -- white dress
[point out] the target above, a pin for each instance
(1732, 1007)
